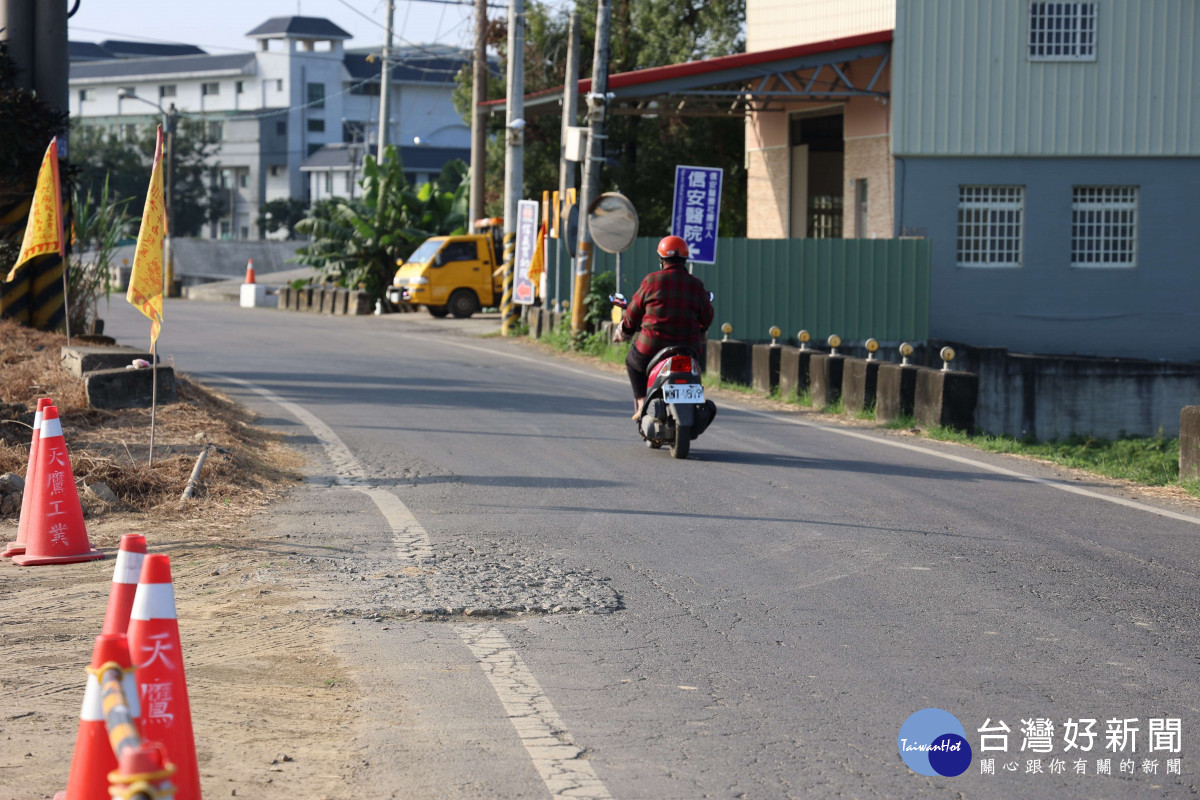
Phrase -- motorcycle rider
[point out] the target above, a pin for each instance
(670, 308)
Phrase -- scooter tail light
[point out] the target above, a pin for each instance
(681, 364)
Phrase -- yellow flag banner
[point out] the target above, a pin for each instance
(44, 230)
(146, 278)
(538, 265)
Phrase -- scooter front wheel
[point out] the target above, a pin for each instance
(683, 441)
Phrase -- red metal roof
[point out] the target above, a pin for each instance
(738, 61)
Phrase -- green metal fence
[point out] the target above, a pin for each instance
(856, 288)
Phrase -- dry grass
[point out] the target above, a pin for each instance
(246, 469)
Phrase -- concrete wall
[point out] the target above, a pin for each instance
(212, 257)
(1050, 397)
(1046, 306)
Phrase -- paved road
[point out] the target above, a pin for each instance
(786, 597)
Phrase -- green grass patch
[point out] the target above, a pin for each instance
(902, 422)
(835, 407)
(867, 413)
(713, 382)
(1152, 461)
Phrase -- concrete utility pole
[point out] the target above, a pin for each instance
(385, 82)
(597, 105)
(566, 169)
(514, 155)
(479, 115)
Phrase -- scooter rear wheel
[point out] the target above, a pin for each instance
(683, 441)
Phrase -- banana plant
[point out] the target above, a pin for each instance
(358, 243)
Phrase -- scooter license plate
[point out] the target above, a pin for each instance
(683, 393)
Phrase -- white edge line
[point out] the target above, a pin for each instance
(558, 760)
(1053, 484)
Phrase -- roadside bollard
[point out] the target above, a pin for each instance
(803, 337)
(835, 342)
(872, 346)
(775, 334)
(726, 329)
(906, 350)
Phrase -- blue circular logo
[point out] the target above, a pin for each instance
(933, 742)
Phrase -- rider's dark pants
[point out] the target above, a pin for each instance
(635, 365)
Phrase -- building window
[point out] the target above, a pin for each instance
(1062, 31)
(281, 128)
(166, 90)
(215, 130)
(313, 147)
(274, 170)
(279, 85)
(210, 88)
(87, 94)
(244, 179)
(1104, 226)
(990, 225)
(316, 126)
(129, 132)
(316, 95)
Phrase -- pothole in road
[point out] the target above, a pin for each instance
(466, 585)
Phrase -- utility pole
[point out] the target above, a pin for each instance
(479, 115)
(566, 169)
(172, 119)
(385, 82)
(597, 105)
(514, 155)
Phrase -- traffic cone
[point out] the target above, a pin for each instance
(124, 583)
(250, 271)
(18, 547)
(154, 643)
(94, 758)
(143, 768)
(57, 534)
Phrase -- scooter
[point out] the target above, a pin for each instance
(675, 411)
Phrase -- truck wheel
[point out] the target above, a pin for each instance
(438, 311)
(463, 303)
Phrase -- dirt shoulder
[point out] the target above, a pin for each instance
(269, 704)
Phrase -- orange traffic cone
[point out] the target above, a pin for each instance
(57, 534)
(143, 767)
(94, 758)
(124, 583)
(250, 271)
(154, 643)
(18, 547)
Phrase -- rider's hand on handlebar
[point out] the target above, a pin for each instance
(619, 334)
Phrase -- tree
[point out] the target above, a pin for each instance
(358, 242)
(125, 165)
(281, 215)
(642, 151)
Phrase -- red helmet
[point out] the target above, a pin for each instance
(672, 247)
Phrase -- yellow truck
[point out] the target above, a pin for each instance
(453, 274)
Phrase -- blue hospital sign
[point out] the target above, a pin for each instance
(696, 210)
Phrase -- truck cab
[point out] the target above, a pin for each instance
(453, 274)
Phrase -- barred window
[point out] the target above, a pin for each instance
(1062, 31)
(1104, 226)
(990, 225)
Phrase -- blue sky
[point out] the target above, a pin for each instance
(219, 26)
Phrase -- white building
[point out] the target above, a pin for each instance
(270, 110)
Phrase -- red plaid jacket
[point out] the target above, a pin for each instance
(671, 307)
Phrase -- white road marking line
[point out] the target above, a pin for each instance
(409, 536)
(1053, 484)
(557, 758)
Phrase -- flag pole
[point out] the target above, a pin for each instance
(62, 244)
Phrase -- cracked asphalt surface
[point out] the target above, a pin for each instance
(756, 621)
